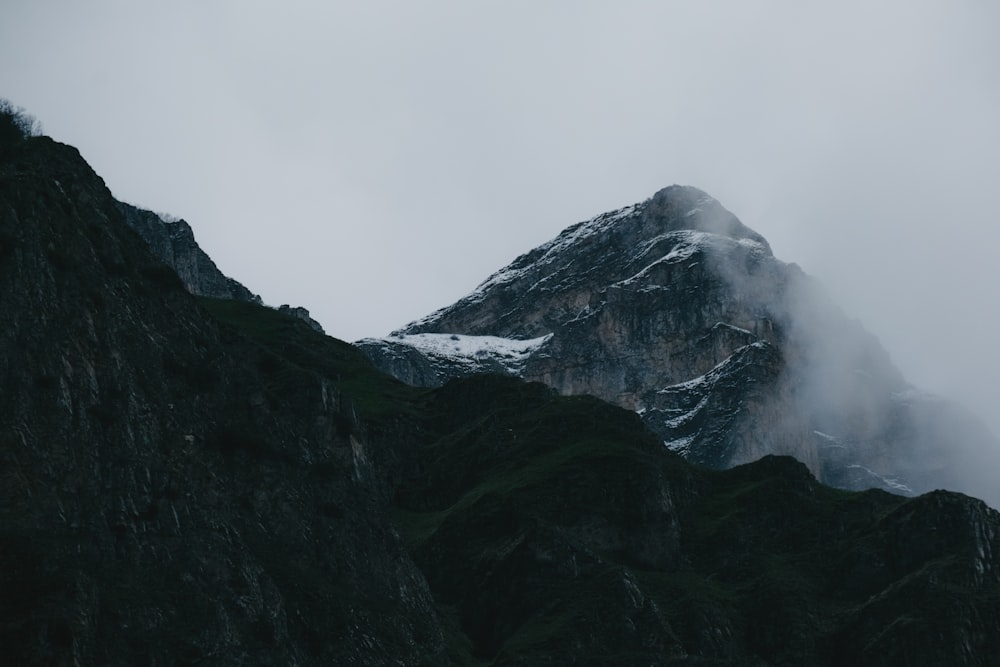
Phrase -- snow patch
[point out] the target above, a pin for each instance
(468, 350)
(688, 385)
(711, 376)
(547, 253)
(687, 242)
(679, 445)
(555, 247)
(732, 327)
(753, 246)
(675, 422)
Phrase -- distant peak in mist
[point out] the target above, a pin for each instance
(687, 207)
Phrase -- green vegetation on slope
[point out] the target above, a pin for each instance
(286, 340)
(557, 530)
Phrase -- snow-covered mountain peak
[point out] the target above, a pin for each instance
(674, 308)
(550, 252)
(679, 207)
(613, 248)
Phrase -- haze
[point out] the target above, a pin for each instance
(375, 161)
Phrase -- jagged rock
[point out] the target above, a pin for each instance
(302, 314)
(675, 309)
(172, 242)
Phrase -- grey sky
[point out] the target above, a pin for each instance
(373, 161)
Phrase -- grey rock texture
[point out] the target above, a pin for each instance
(675, 309)
(302, 314)
(428, 360)
(173, 243)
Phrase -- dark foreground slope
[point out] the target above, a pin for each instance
(172, 493)
(214, 482)
(558, 531)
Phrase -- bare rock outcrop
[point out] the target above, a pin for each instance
(173, 243)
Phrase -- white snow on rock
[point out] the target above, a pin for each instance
(754, 246)
(708, 379)
(691, 384)
(548, 253)
(680, 445)
(473, 350)
(551, 250)
(684, 418)
(686, 243)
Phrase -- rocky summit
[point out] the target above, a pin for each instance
(187, 480)
(676, 310)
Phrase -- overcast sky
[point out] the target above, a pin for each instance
(373, 161)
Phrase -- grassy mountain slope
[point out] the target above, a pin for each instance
(557, 530)
(189, 481)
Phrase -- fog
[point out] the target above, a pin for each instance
(375, 161)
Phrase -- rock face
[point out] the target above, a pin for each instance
(208, 481)
(676, 310)
(171, 493)
(172, 242)
(301, 313)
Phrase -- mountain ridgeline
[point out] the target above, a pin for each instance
(675, 309)
(189, 480)
(173, 243)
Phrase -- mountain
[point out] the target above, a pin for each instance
(173, 493)
(675, 309)
(187, 480)
(173, 243)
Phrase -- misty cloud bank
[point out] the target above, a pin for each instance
(859, 410)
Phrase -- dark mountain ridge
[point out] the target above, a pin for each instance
(675, 309)
(173, 494)
(201, 481)
(172, 242)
